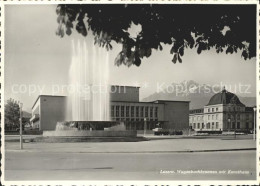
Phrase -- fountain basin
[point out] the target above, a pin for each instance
(90, 129)
(94, 133)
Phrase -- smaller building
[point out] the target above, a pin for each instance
(224, 112)
(47, 110)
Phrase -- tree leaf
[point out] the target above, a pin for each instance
(179, 58)
(174, 60)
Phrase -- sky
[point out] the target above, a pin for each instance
(36, 59)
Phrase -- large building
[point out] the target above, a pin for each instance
(224, 112)
(124, 106)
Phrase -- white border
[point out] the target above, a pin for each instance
(129, 182)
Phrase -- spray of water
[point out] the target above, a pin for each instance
(88, 98)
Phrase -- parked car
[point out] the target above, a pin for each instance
(161, 131)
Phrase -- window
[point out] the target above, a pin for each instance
(198, 125)
(213, 125)
(208, 117)
(112, 111)
(217, 125)
(212, 109)
(216, 109)
(247, 125)
(194, 125)
(132, 111)
(156, 112)
(229, 116)
(238, 125)
(212, 117)
(142, 112)
(127, 111)
(233, 125)
(247, 116)
(151, 112)
(238, 116)
(208, 125)
(137, 111)
(208, 110)
(122, 111)
(216, 116)
(146, 111)
(202, 125)
(117, 111)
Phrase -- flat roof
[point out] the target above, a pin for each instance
(45, 96)
(124, 86)
(136, 102)
(171, 101)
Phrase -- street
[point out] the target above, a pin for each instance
(129, 166)
(166, 159)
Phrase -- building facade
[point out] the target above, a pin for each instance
(47, 111)
(224, 112)
(124, 106)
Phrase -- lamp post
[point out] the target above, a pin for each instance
(254, 123)
(21, 126)
(235, 118)
(228, 124)
(144, 126)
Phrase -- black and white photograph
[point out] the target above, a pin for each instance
(129, 92)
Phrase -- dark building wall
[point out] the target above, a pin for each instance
(124, 93)
(176, 115)
(52, 110)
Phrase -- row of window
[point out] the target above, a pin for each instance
(134, 111)
(201, 118)
(212, 117)
(216, 116)
(212, 125)
(133, 119)
(237, 116)
(230, 109)
(212, 109)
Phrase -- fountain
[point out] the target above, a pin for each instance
(88, 76)
(88, 103)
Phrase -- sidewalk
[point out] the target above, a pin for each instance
(152, 146)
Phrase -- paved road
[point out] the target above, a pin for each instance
(159, 145)
(129, 166)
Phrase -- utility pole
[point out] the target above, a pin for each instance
(21, 126)
(254, 123)
(235, 117)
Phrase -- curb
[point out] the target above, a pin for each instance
(146, 152)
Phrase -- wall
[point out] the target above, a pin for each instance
(124, 93)
(176, 113)
(52, 110)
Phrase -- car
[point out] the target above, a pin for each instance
(157, 129)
